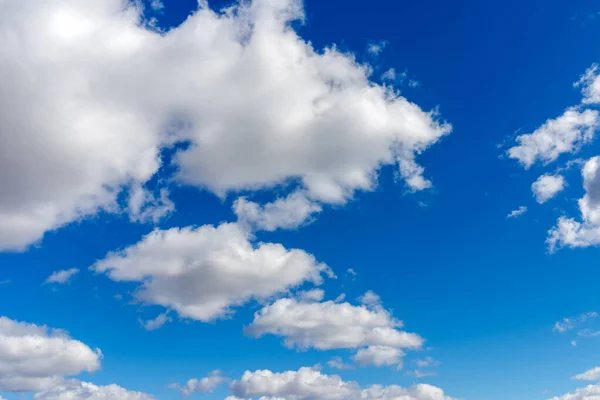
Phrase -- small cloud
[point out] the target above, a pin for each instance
(352, 272)
(389, 75)
(574, 343)
(517, 213)
(338, 363)
(340, 298)
(427, 362)
(61, 277)
(375, 48)
(157, 5)
(208, 384)
(312, 295)
(157, 322)
(370, 299)
(421, 374)
(413, 83)
(571, 323)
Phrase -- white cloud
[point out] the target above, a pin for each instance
(590, 85)
(330, 325)
(589, 375)
(202, 273)
(144, 206)
(547, 186)
(590, 392)
(572, 233)
(375, 48)
(76, 390)
(157, 322)
(312, 295)
(427, 362)
(36, 358)
(208, 384)
(564, 134)
(379, 356)
(370, 299)
(287, 213)
(389, 75)
(517, 213)
(338, 363)
(90, 96)
(62, 277)
(311, 384)
(157, 5)
(572, 323)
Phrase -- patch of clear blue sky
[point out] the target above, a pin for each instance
(481, 289)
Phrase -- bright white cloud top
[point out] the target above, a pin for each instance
(572, 233)
(547, 186)
(267, 109)
(76, 390)
(564, 134)
(311, 384)
(330, 325)
(203, 273)
(590, 392)
(589, 375)
(36, 358)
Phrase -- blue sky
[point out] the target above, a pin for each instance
(121, 121)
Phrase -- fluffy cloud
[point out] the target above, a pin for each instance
(572, 233)
(62, 277)
(287, 213)
(370, 298)
(36, 358)
(330, 325)
(90, 96)
(564, 134)
(203, 272)
(311, 384)
(76, 390)
(589, 375)
(591, 392)
(547, 186)
(379, 356)
(208, 384)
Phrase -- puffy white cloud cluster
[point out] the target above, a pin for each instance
(202, 273)
(311, 384)
(590, 392)
(570, 232)
(90, 96)
(331, 325)
(564, 134)
(36, 358)
(76, 390)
